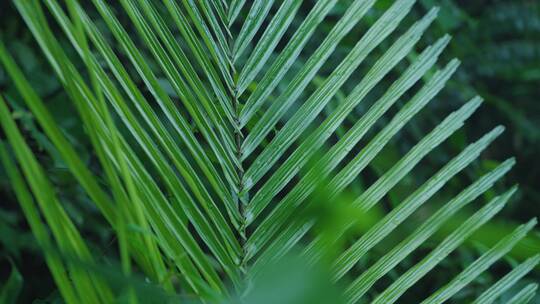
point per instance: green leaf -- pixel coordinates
(12, 287)
(256, 16)
(481, 264)
(309, 109)
(235, 7)
(386, 263)
(285, 60)
(411, 203)
(39, 230)
(268, 42)
(525, 295)
(78, 168)
(279, 215)
(405, 281)
(210, 166)
(307, 149)
(497, 289)
(65, 233)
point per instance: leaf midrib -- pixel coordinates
(242, 200)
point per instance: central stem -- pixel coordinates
(242, 199)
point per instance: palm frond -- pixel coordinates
(211, 143)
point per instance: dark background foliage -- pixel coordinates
(499, 45)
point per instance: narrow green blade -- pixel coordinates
(316, 102)
(386, 263)
(497, 289)
(268, 42)
(322, 169)
(257, 14)
(312, 144)
(481, 264)
(287, 57)
(525, 295)
(449, 244)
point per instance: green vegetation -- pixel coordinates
(264, 151)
